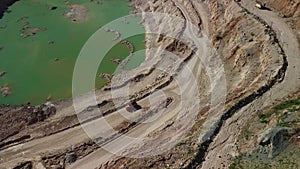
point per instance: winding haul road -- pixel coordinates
(224, 143)
(32, 150)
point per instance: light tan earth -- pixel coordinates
(250, 58)
(225, 143)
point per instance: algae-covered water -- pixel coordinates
(41, 65)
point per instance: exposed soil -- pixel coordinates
(259, 52)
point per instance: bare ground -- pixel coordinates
(260, 53)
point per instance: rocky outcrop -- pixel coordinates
(5, 90)
(106, 76)
(76, 13)
(2, 73)
(16, 118)
(27, 30)
(117, 61)
(117, 34)
(71, 157)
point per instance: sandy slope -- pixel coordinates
(181, 89)
(224, 144)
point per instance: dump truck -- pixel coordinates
(132, 107)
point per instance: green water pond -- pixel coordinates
(41, 65)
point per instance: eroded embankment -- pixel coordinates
(241, 53)
(155, 80)
(203, 147)
(200, 156)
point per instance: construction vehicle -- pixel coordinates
(261, 6)
(132, 107)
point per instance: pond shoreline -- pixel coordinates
(66, 56)
(14, 110)
(4, 4)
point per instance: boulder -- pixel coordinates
(71, 157)
(5, 90)
(52, 8)
(2, 73)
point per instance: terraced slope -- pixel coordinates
(252, 55)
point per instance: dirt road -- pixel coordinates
(182, 90)
(224, 144)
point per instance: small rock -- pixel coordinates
(49, 97)
(50, 42)
(5, 90)
(71, 157)
(52, 8)
(3, 27)
(2, 73)
(56, 59)
(117, 61)
(106, 76)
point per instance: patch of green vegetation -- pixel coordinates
(294, 108)
(246, 133)
(290, 105)
(181, 143)
(264, 121)
(191, 152)
(232, 166)
(286, 104)
(287, 124)
(286, 161)
(286, 114)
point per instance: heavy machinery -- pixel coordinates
(132, 106)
